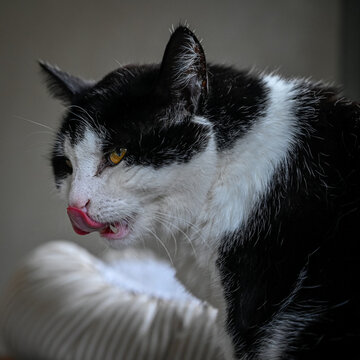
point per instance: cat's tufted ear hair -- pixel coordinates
(183, 69)
(62, 85)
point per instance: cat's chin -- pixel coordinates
(117, 231)
(118, 243)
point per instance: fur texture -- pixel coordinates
(251, 181)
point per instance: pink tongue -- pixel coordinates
(81, 222)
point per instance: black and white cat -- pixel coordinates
(255, 178)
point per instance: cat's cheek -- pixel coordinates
(63, 188)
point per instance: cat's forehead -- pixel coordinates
(121, 104)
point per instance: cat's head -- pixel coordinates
(134, 156)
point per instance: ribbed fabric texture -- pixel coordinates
(60, 306)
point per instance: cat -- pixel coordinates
(253, 177)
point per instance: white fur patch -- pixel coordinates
(85, 158)
(245, 171)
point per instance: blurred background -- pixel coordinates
(318, 39)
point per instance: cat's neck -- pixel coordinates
(244, 170)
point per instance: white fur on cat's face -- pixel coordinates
(150, 198)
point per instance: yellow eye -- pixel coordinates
(116, 156)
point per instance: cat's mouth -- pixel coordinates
(83, 225)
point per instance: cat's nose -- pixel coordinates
(81, 204)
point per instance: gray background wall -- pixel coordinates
(89, 38)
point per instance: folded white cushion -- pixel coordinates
(65, 304)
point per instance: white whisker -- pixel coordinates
(186, 236)
(34, 123)
(197, 231)
(163, 245)
(171, 233)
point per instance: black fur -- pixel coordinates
(62, 85)
(236, 99)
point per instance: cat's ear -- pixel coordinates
(62, 85)
(183, 69)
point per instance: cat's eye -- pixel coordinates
(68, 165)
(116, 156)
